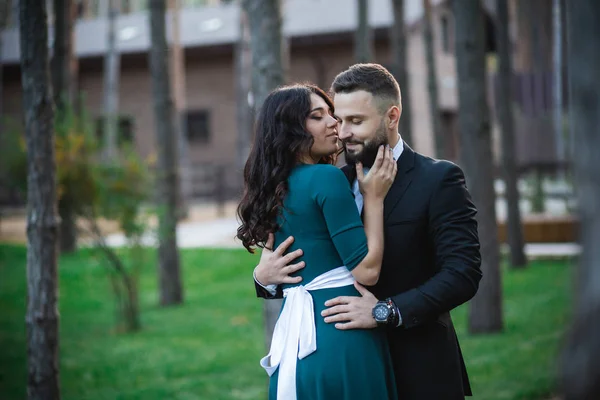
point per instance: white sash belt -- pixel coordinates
(294, 336)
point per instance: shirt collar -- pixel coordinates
(397, 150)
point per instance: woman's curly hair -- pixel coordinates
(280, 139)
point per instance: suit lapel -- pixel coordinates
(350, 173)
(403, 179)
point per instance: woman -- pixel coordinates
(293, 188)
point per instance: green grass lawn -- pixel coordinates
(209, 347)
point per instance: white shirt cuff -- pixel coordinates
(272, 289)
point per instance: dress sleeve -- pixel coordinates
(333, 195)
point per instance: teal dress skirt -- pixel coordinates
(320, 212)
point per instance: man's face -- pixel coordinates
(361, 128)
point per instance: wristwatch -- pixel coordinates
(384, 312)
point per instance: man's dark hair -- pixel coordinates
(372, 78)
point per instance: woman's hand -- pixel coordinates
(380, 177)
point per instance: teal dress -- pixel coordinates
(320, 212)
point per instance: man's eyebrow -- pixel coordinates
(352, 116)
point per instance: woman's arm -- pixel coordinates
(374, 187)
(360, 249)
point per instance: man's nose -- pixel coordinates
(344, 132)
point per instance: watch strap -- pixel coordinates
(394, 315)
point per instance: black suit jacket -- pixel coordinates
(431, 264)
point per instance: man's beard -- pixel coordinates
(367, 155)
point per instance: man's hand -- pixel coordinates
(273, 268)
(380, 177)
(351, 312)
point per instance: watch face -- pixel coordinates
(381, 312)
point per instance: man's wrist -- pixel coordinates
(261, 281)
(395, 319)
(271, 288)
(386, 313)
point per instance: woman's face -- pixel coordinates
(323, 127)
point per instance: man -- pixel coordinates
(431, 261)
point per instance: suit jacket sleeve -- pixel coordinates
(453, 229)
(264, 293)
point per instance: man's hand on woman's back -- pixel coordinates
(275, 266)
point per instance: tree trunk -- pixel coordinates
(63, 83)
(264, 21)
(557, 87)
(4, 18)
(363, 36)
(400, 68)
(5, 12)
(267, 43)
(539, 63)
(509, 149)
(581, 358)
(14, 13)
(68, 227)
(63, 90)
(177, 68)
(42, 223)
(171, 290)
(432, 84)
(111, 86)
(243, 85)
(474, 123)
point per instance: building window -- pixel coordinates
(198, 126)
(124, 132)
(446, 33)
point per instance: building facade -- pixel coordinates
(320, 34)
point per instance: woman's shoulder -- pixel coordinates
(322, 172)
(326, 178)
